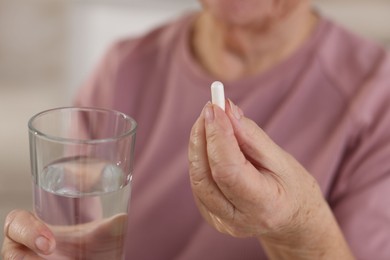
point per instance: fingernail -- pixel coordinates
(237, 113)
(209, 113)
(43, 244)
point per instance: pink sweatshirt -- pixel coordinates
(328, 105)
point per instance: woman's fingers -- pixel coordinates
(12, 250)
(238, 173)
(108, 228)
(206, 192)
(237, 177)
(258, 148)
(23, 229)
(223, 180)
(197, 155)
(99, 239)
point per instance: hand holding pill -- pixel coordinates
(245, 185)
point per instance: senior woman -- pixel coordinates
(298, 169)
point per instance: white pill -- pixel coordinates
(218, 94)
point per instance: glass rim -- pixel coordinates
(36, 132)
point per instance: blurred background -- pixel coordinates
(48, 48)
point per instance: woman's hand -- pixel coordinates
(245, 185)
(26, 237)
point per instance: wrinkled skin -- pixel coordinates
(100, 239)
(243, 183)
(247, 186)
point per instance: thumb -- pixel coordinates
(255, 144)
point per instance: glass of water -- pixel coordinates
(82, 163)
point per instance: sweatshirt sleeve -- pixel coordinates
(361, 195)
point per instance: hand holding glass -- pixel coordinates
(82, 163)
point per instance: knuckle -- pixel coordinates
(197, 182)
(194, 157)
(198, 175)
(197, 163)
(10, 218)
(196, 141)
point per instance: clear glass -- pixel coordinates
(82, 162)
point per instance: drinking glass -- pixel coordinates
(82, 163)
